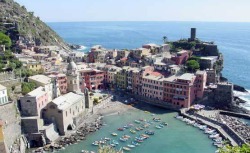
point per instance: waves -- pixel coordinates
(82, 48)
(244, 96)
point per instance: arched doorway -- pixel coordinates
(69, 127)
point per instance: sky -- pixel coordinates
(139, 10)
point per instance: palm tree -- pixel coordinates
(165, 39)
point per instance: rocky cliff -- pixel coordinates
(17, 22)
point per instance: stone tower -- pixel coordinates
(72, 77)
(193, 34)
(88, 102)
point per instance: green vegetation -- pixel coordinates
(108, 149)
(27, 87)
(5, 40)
(96, 101)
(17, 21)
(192, 65)
(245, 148)
(8, 62)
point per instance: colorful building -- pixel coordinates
(61, 80)
(92, 79)
(181, 57)
(34, 66)
(32, 103)
(3, 95)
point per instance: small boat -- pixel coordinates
(131, 146)
(107, 139)
(158, 127)
(120, 129)
(130, 125)
(132, 131)
(114, 134)
(149, 132)
(115, 142)
(96, 143)
(164, 123)
(102, 142)
(125, 126)
(143, 120)
(138, 122)
(144, 135)
(112, 145)
(126, 136)
(123, 139)
(135, 143)
(156, 119)
(137, 129)
(146, 112)
(214, 136)
(126, 148)
(161, 125)
(140, 138)
(137, 140)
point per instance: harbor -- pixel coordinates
(130, 128)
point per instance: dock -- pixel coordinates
(224, 130)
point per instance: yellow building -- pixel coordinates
(3, 147)
(121, 78)
(34, 66)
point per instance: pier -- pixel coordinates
(223, 129)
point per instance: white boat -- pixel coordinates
(202, 127)
(209, 131)
(131, 146)
(214, 136)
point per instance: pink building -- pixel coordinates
(92, 79)
(32, 103)
(152, 85)
(183, 90)
(181, 57)
(61, 80)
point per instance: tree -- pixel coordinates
(27, 87)
(95, 101)
(245, 148)
(192, 65)
(5, 40)
(165, 39)
(12, 66)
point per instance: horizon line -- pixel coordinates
(148, 21)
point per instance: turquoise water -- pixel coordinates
(177, 137)
(232, 39)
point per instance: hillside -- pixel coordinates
(17, 22)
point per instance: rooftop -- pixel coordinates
(41, 78)
(186, 76)
(65, 101)
(37, 92)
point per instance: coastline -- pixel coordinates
(91, 123)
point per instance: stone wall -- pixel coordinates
(222, 96)
(12, 128)
(7, 76)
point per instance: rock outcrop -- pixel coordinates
(17, 22)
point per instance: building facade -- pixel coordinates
(3, 95)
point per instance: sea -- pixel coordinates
(232, 40)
